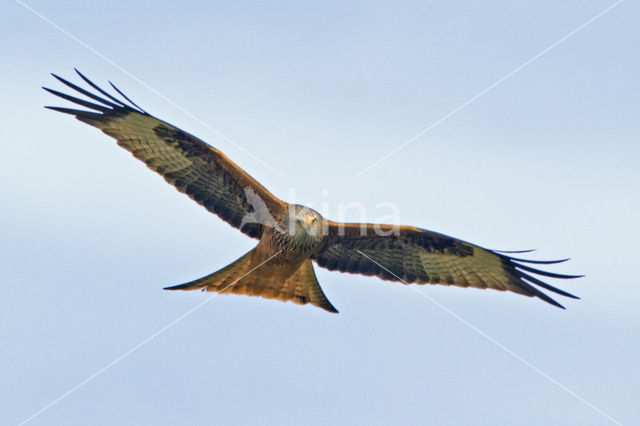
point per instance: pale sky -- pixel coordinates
(547, 159)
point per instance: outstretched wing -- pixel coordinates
(202, 172)
(414, 255)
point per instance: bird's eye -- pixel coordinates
(315, 219)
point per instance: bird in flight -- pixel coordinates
(291, 237)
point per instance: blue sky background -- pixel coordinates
(319, 91)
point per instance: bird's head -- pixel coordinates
(304, 223)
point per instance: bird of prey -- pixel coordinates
(291, 237)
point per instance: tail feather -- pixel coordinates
(272, 280)
(303, 287)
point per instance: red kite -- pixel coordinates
(291, 237)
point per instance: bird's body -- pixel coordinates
(292, 236)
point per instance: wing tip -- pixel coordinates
(175, 287)
(111, 101)
(545, 297)
(545, 273)
(539, 262)
(525, 280)
(330, 308)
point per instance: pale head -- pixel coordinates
(304, 223)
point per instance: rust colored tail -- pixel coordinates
(271, 280)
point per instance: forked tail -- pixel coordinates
(272, 280)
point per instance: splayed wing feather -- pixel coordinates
(515, 251)
(539, 262)
(126, 97)
(79, 101)
(86, 92)
(99, 89)
(545, 273)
